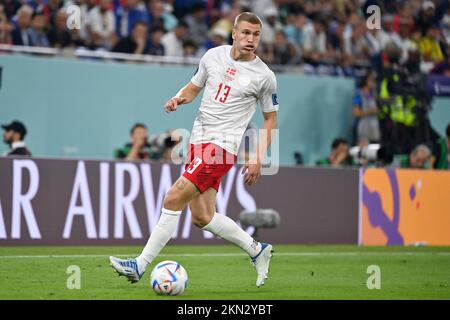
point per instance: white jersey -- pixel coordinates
(232, 90)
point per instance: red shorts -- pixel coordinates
(207, 163)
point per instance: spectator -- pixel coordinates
(84, 6)
(155, 14)
(315, 45)
(14, 135)
(441, 152)
(10, 7)
(173, 40)
(294, 30)
(339, 155)
(270, 25)
(38, 37)
(430, 47)
(156, 48)
(227, 21)
(196, 21)
(426, 17)
(189, 48)
(139, 148)
(280, 52)
(135, 43)
(51, 11)
(102, 23)
(160, 14)
(21, 34)
(403, 17)
(418, 158)
(60, 36)
(128, 15)
(5, 27)
(356, 46)
(365, 111)
(406, 44)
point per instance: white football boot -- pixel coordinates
(261, 262)
(126, 267)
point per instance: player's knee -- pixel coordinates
(172, 201)
(200, 220)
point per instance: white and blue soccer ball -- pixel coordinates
(169, 278)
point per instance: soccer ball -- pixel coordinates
(169, 278)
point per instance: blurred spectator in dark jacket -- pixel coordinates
(155, 46)
(426, 16)
(14, 135)
(38, 36)
(60, 36)
(136, 43)
(10, 7)
(21, 34)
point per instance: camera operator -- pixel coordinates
(139, 148)
(338, 156)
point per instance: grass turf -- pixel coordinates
(224, 272)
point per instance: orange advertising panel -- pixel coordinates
(404, 207)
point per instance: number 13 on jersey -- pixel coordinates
(222, 94)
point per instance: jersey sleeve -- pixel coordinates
(200, 75)
(268, 99)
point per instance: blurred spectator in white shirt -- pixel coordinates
(173, 40)
(101, 23)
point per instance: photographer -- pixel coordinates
(339, 155)
(139, 148)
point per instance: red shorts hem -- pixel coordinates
(207, 166)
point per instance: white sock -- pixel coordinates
(162, 233)
(227, 229)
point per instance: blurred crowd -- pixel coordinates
(389, 55)
(323, 36)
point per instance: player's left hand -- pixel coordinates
(253, 172)
(173, 103)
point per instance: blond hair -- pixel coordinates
(248, 17)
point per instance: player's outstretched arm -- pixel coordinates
(186, 95)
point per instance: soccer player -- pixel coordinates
(235, 79)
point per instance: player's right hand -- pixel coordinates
(173, 103)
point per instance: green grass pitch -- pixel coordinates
(224, 272)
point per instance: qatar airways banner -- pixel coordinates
(89, 202)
